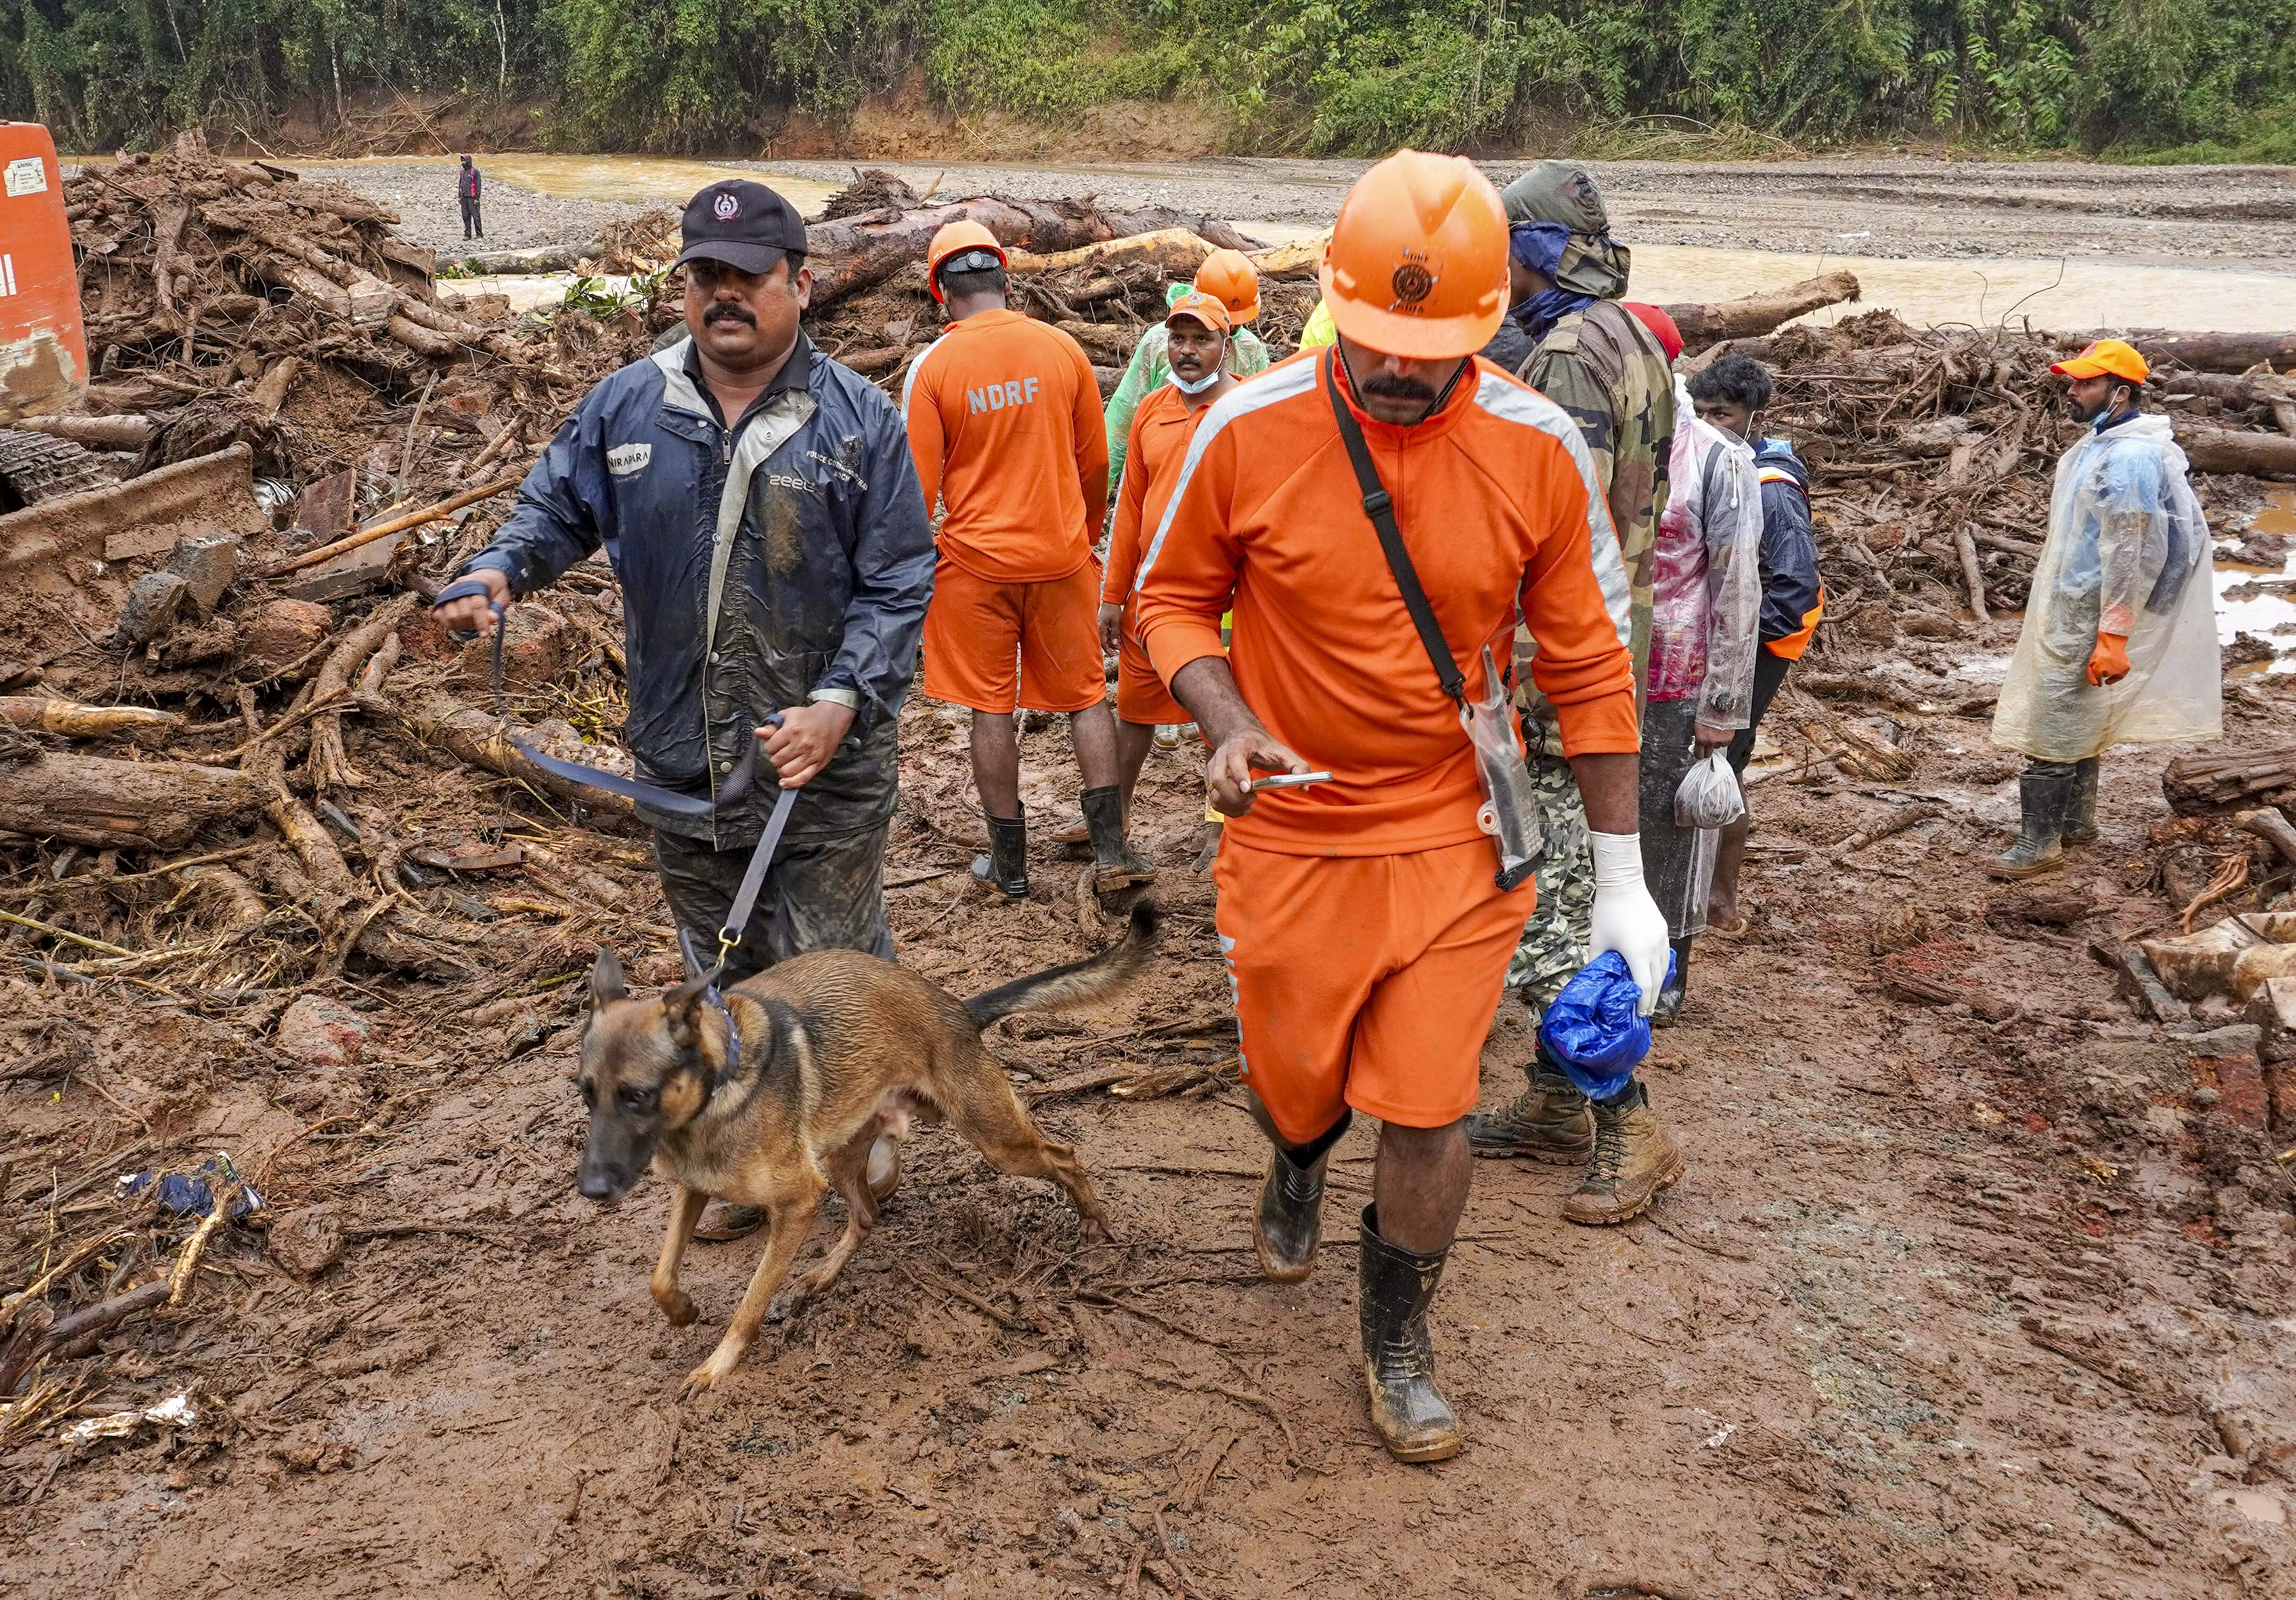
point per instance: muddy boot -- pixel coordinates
(1006, 864)
(2044, 790)
(1634, 1160)
(1670, 992)
(1414, 1421)
(1548, 1122)
(1290, 1217)
(724, 1222)
(2081, 817)
(1117, 864)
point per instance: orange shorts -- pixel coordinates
(1367, 981)
(998, 647)
(1141, 695)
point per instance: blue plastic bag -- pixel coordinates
(193, 1194)
(1592, 1031)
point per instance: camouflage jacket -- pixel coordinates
(1607, 371)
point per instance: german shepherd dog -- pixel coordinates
(776, 1094)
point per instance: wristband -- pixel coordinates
(1618, 859)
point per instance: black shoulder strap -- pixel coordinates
(1380, 507)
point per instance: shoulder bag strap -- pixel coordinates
(1380, 507)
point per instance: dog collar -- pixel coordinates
(733, 1033)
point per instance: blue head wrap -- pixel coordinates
(1538, 247)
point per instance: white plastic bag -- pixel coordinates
(1709, 796)
(1709, 799)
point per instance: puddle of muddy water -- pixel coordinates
(2273, 607)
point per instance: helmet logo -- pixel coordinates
(1413, 282)
(728, 206)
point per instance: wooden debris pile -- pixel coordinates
(1932, 453)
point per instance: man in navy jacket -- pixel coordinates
(761, 511)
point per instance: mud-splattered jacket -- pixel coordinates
(787, 558)
(1608, 374)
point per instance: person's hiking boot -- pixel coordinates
(1413, 1420)
(1671, 993)
(1548, 1121)
(1634, 1160)
(1116, 865)
(2080, 815)
(1006, 864)
(2045, 794)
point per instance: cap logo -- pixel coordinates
(1413, 282)
(728, 206)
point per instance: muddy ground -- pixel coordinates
(1945, 1306)
(1867, 206)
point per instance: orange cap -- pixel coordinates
(952, 238)
(1206, 308)
(1229, 276)
(1417, 267)
(2105, 355)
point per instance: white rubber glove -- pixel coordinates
(1626, 919)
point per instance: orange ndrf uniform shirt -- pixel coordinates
(1161, 431)
(1499, 507)
(1366, 937)
(1005, 424)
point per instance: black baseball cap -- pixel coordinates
(744, 225)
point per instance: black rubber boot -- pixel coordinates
(2080, 817)
(1549, 1121)
(2046, 791)
(1677, 984)
(1414, 1421)
(1006, 864)
(1290, 1217)
(1116, 864)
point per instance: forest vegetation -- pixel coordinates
(2180, 79)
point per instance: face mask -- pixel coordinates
(1197, 387)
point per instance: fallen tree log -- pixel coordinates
(130, 432)
(1176, 252)
(851, 254)
(94, 801)
(2217, 352)
(2232, 450)
(480, 739)
(1703, 324)
(2194, 784)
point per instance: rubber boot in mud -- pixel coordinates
(1549, 1121)
(1413, 1420)
(1006, 864)
(1634, 1161)
(2045, 791)
(1116, 864)
(1669, 1004)
(1288, 1220)
(2080, 815)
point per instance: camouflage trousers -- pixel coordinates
(1554, 945)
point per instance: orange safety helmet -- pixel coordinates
(953, 239)
(1229, 278)
(1417, 267)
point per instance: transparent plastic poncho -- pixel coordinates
(1706, 602)
(2127, 553)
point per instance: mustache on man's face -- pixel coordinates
(728, 311)
(1395, 386)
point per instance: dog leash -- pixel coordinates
(737, 784)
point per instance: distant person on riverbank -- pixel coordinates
(2118, 643)
(466, 190)
(1228, 277)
